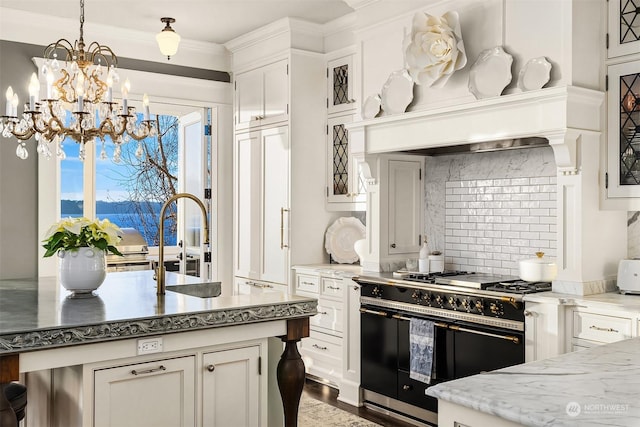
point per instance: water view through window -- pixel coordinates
(131, 189)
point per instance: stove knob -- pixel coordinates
(480, 306)
(376, 291)
(453, 302)
(466, 304)
(496, 309)
(439, 300)
(427, 298)
(416, 295)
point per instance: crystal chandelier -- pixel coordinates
(79, 102)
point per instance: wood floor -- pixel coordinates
(329, 395)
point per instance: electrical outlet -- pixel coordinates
(150, 345)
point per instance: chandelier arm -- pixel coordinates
(23, 136)
(99, 51)
(62, 44)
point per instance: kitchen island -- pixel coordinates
(592, 387)
(56, 340)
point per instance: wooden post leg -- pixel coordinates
(291, 371)
(8, 372)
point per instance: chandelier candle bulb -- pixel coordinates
(145, 103)
(14, 105)
(34, 88)
(9, 106)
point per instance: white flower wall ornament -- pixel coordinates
(434, 49)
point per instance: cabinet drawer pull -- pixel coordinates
(597, 328)
(335, 288)
(406, 387)
(308, 283)
(322, 312)
(282, 211)
(319, 347)
(261, 285)
(211, 368)
(149, 371)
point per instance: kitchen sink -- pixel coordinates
(201, 290)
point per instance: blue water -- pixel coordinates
(133, 221)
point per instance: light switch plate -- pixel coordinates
(150, 345)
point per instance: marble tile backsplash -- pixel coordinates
(490, 224)
(500, 226)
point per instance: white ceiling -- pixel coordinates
(213, 21)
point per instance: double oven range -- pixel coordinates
(478, 326)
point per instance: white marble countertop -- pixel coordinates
(593, 387)
(609, 300)
(40, 313)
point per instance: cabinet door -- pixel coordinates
(623, 151)
(276, 92)
(340, 75)
(624, 31)
(339, 169)
(405, 206)
(274, 266)
(230, 388)
(153, 394)
(247, 205)
(248, 98)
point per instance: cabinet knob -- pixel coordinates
(529, 313)
(393, 245)
(406, 387)
(211, 368)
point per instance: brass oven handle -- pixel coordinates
(377, 313)
(511, 338)
(282, 211)
(510, 300)
(149, 371)
(597, 328)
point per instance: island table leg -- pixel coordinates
(291, 373)
(9, 371)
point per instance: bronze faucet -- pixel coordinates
(160, 270)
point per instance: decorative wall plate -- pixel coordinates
(371, 107)
(397, 92)
(535, 74)
(491, 73)
(340, 238)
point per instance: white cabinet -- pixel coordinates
(262, 204)
(624, 34)
(154, 394)
(405, 195)
(544, 329)
(322, 351)
(346, 190)
(591, 325)
(230, 387)
(280, 214)
(262, 96)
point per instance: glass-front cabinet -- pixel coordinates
(346, 189)
(340, 90)
(624, 130)
(624, 27)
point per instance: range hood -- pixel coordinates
(558, 115)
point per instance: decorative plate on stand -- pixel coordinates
(341, 237)
(371, 107)
(397, 92)
(491, 73)
(535, 74)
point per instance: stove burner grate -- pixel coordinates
(520, 287)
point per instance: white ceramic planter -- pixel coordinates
(82, 271)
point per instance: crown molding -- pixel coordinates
(39, 29)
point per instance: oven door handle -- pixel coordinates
(511, 338)
(377, 313)
(438, 324)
